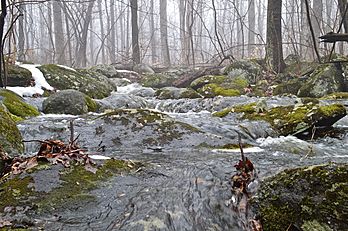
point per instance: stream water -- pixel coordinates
(183, 188)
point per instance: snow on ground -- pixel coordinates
(40, 82)
(68, 68)
(26, 91)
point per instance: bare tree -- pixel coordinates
(135, 31)
(58, 33)
(274, 46)
(164, 32)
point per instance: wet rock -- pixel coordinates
(48, 190)
(108, 71)
(290, 120)
(326, 79)
(249, 69)
(311, 198)
(176, 93)
(63, 78)
(117, 101)
(69, 102)
(157, 80)
(10, 137)
(143, 69)
(16, 105)
(147, 128)
(214, 85)
(17, 76)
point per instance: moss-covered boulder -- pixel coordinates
(48, 189)
(336, 95)
(177, 93)
(69, 102)
(326, 79)
(290, 87)
(104, 80)
(108, 71)
(249, 69)
(63, 78)
(143, 68)
(16, 105)
(157, 80)
(214, 85)
(290, 120)
(310, 198)
(17, 76)
(10, 137)
(300, 69)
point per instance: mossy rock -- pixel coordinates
(108, 71)
(251, 69)
(63, 78)
(290, 87)
(17, 106)
(69, 102)
(336, 95)
(176, 93)
(300, 69)
(157, 80)
(214, 85)
(17, 76)
(326, 79)
(311, 198)
(10, 137)
(52, 188)
(290, 120)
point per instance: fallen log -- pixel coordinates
(188, 78)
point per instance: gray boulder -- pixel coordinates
(326, 79)
(69, 102)
(142, 68)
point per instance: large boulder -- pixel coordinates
(69, 102)
(143, 69)
(62, 78)
(16, 105)
(10, 137)
(157, 80)
(249, 69)
(309, 198)
(289, 120)
(214, 85)
(108, 71)
(326, 79)
(117, 101)
(17, 76)
(177, 93)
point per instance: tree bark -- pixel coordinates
(58, 34)
(274, 46)
(164, 33)
(251, 31)
(135, 31)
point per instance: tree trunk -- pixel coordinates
(342, 4)
(274, 46)
(182, 13)
(164, 33)
(2, 25)
(153, 33)
(21, 35)
(135, 31)
(58, 34)
(251, 32)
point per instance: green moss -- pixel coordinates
(74, 189)
(308, 197)
(15, 191)
(236, 146)
(16, 105)
(17, 76)
(10, 137)
(336, 95)
(289, 119)
(91, 104)
(157, 80)
(212, 90)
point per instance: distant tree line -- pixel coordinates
(165, 32)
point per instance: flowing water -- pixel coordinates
(184, 188)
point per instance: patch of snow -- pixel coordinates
(26, 91)
(66, 67)
(99, 157)
(126, 71)
(40, 81)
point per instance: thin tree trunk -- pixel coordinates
(164, 33)
(58, 33)
(135, 31)
(251, 32)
